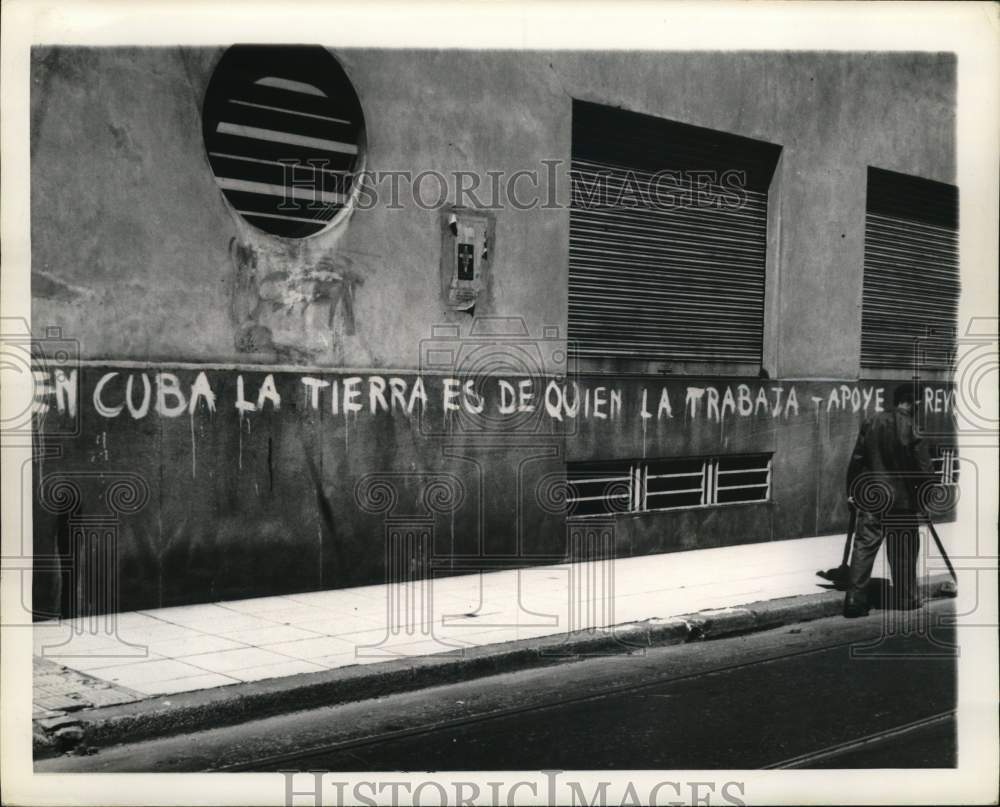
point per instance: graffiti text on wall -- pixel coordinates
(138, 395)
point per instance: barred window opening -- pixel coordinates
(946, 467)
(637, 486)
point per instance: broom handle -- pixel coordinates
(940, 547)
(851, 526)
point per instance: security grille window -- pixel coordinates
(911, 283)
(601, 488)
(667, 484)
(668, 232)
(946, 467)
(284, 132)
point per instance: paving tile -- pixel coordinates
(47, 633)
(76, 643)
(291, 667)
(164, 632)
(429, 647)
(60, 703)
(312, 648)
(110, 622)
(41, 713)
(376, 592)
(190, 615)
(255, 637)
(189, 646)
(98, 661)
(350, 659)
(228, 660)
(377, 642)
(339, 600)
(137, 619)
(295, 615)
(230, 623)
(188, 684)
(339, 626)
(379, 635)
(259, 605)
(485, 637)
(110, 696)
(142, 673)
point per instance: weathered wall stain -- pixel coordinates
(261, 292)
(52, 288)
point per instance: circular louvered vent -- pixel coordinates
(284, 132)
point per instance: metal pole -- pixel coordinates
(849, 543)
(940, 547)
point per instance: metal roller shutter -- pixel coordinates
(911, 282)
(668, 232)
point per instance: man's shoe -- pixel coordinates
(853, 608)
(911, 604)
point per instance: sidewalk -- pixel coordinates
(457, 626)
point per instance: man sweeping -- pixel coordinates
(889, 465)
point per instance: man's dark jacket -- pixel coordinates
(889, 453)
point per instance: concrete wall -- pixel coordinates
(130, 234)
(132, 257)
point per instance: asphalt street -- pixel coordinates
(832, 693)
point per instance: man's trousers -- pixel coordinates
(902, 535)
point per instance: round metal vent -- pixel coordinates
(284, 132)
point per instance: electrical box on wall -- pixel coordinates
(466, 246)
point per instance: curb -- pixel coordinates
(85, 731)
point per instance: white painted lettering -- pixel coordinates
(792, 402)
(376, 394)
(664, 406)
(200, 390)
(397, 393)
(472, 400)
(745, 401)
(553, 406)
(693, 400)
(643, 412)
(99, 406)
(776, 407)
(728, 402)
(418, 393)
(66, 392)
(169, 386)
(616, 403)
(524, 396)
(450, 388)
(599, 403)
(713, 404)
(242, 404)
(142, 410)
(351, 394)
(507, 402)
(314, 385)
